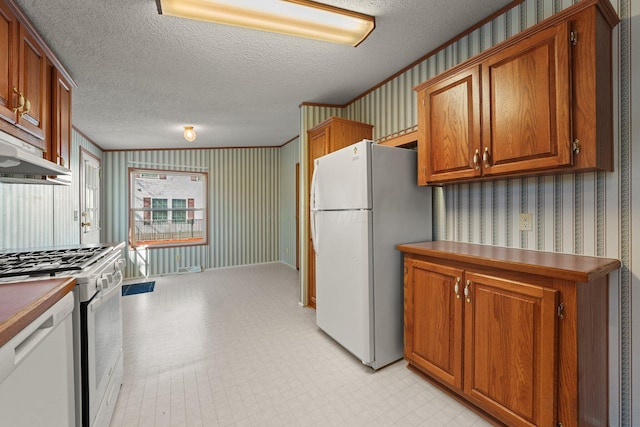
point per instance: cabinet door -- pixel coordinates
(526, 98)
(318, 144)
(449, 128)
(8, 63)
(433, 320)
(61, 139)
(510, 349)
(33, 83)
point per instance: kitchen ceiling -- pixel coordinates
(142, 76)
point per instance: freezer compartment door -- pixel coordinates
(344, 280)
(342, 179)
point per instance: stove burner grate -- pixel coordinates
(48, 262)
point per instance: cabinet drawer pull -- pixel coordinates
(466, 291)
(485, 157)
(456, 287)
(476, 160)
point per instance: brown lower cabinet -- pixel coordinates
(520, 334)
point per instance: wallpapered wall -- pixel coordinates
(579, 214)
(33, 216)
(589, 214)
(243, 203)
(289, 157)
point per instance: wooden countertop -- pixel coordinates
(22, 302)
(576, 268)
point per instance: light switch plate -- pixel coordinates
(526, 222)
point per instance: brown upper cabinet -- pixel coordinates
(8, 62)
(32, 91)
(60, 147)
(35, 91)
(324, 138)
(526, 106)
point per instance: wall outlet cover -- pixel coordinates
(526, 222)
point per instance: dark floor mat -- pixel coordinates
(138, 288)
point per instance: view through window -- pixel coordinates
(168, 208)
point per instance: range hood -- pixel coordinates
(23, 163)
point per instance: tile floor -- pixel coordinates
(232, 347)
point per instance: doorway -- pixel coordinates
(90, 185)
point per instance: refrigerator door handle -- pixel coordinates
(312, 210)
(314, 236)
(314, 189)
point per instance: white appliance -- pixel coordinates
(23, 163)
(364, 201)
(36, 371)
(96, 318)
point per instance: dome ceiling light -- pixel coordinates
(189, 133)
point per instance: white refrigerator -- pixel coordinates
(364, 201)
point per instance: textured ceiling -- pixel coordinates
(142, 76)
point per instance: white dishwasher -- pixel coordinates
(36, 371)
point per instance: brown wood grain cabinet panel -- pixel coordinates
(535, 338)
(32, 80)
(8, 63)
(592, 87)
(60, 145)
(26, 67)
(545, 102)
(510, 349)
(526, 103)
(318, 147)
(324, 138)
(449, 136)
(433, 320)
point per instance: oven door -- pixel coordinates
(101, 352)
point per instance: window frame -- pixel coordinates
(190, 211)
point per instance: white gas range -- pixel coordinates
(97, 317)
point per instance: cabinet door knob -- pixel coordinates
(476, 160)
(485, 157)
(466, 291)
(456, 288)
(85, 224)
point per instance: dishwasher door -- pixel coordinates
(36, 371)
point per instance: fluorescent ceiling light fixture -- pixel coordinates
(302, 18)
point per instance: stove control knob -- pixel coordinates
(109, 277)
(102, 284)
(120, 264)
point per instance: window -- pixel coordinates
(167, 208)
(159, 210)
(179, 216)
